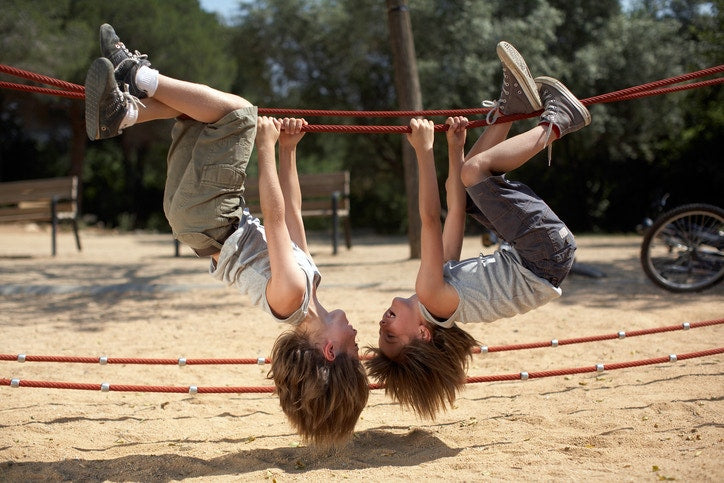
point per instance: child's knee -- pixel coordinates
(473, 172)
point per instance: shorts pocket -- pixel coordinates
(224, 177)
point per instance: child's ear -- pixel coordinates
(423, 333)
(328, 351)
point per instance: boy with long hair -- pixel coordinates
(423, 354)
(321, 384)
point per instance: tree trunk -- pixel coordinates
(407, 85)
(78, 144)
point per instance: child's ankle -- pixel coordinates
(147, 80)
(130, 118)
(555, 128)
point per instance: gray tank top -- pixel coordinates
(493, 287)
(244, 263)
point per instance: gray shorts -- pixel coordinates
(203, 197)
(511, 209)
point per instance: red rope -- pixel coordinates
(129, 360)
(654, 85)
(665, 90)
(133, 388)
(43, 90)
(597, 368)
(644, 90)
(477, 350)
(270, 389)
(598, 338)
(42, 79)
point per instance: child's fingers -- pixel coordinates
(456, 123)
(293, 125)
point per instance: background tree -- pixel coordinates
(335, 54)
(122, 177)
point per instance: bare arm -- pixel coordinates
(433, 292)
(290, 135)
(454, 231)
(285, 290)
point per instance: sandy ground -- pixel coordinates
(125, 295)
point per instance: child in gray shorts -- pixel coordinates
(321, 384)
(423, 355)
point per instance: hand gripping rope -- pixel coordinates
(524, 375)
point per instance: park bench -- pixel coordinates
(41, 200)
(323, 195)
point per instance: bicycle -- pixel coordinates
(683, 250)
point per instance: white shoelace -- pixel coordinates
(133, 107)
(549, 132)
(496, 106)
(134, 56)
(494, 110)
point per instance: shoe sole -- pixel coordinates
(108, 39)
(512, 59)
(556, 84)
(98, 83)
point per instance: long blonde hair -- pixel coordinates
(322, 399)
(425, 376)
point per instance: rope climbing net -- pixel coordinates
(523, 375)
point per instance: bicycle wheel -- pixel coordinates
(683, 251)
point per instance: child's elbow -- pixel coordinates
(425, 291)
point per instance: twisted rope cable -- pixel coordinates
(131, 360)
(42, 79)
(106, 387)
(66, 89)
(654, 85)
(595, 368)
(598, 338)
(664, 90)
(43, 90)
(262, 360)
(644, 90)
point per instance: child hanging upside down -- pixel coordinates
(321, 384)
(423, 354)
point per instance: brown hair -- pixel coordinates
(426, 376)
(322, 399)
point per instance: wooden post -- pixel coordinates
(407, 85)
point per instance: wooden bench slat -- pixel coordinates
(32, 200)
(16, 191)
(317, 189)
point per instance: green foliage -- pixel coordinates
(335, 54)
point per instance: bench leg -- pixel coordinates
(335, 222)
(75, 232)
(54, 222)
(347, 233)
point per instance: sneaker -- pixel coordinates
(125, 62)
(519, 94)
(562, 109)
(105, 104)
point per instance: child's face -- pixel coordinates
(400, 324)
(342, 333)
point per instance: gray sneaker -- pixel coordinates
(105, 104)
(519, 94)
(125, 62)
(562, 110)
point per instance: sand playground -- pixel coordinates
(126, 295)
